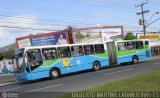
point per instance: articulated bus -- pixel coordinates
(56, 60)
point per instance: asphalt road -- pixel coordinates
(78, 81)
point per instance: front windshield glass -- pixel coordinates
(18, 62)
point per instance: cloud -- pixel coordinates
(95, 1)
(19, 21)
(2, 32)
(23, 21)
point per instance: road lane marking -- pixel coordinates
(119, 71)
(156, 63)
(9, 83)
(44, 88)
(154, 58)
(10, 89)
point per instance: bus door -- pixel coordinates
(112, 53)
(26, 63)
(148, 52)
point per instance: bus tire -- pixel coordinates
(54, 73)
(96, 66)
(135, 60)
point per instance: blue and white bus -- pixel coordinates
(55, 60)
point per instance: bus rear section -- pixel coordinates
(133, 51)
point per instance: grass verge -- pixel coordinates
(147, 82)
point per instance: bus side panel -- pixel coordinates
(69, 65)
(83, 63)
(23, 76)
(149, 53)
(141, 55)
(40, 74)
(128, 57)
(43, 70)
(123, 59)
(89, 60)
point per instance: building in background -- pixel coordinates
(153, 37)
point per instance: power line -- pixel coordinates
(60, 23)
(67, 12)
(15, 27)
(67, 22)
(117, 7)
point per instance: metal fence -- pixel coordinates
(155, 50)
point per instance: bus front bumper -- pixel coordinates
(20, 77)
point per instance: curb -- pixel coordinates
(156, 57)
(9, 83)
(6, 75)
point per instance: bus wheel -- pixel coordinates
(54, 73)
(135, 59)
(96, 66)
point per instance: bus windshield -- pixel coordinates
(18, 60)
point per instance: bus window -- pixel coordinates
(88, 49)
(35, 58)
(77, 50)
(122, 46)
(49, 53)
(146, 43)
(99, 48)
(130, 45)
(64, 52)
(139, 45)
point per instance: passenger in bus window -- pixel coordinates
(87, 50)
(53, 54)
(45, 55)
(76, 53)
(80, 51)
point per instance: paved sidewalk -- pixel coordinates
(7, 78)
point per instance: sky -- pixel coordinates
(20, 18)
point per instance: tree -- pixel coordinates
(7, 54)
(79, 35)
(10, 53)
(130, 36)
(30, 34)
(69, 29)
(1, 56)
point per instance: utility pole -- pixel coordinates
(143, 19)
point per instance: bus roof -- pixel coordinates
(133, 40)
(48, 46)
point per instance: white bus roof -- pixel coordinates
(133, 40)
(48, 46)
